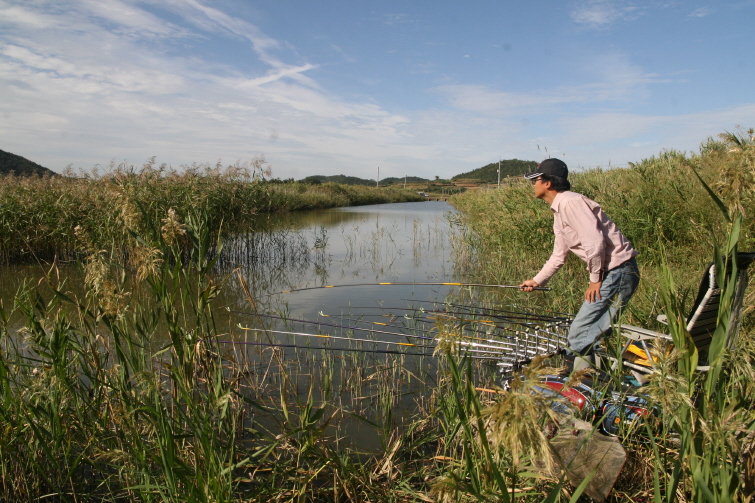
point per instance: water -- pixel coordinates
(350, 249)
(402, 242)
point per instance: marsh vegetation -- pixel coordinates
(158, 377)
(41, 216)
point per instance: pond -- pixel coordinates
(329, 263)
(361, 246)
(340, 308)
(316, 336)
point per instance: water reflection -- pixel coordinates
(406, 242)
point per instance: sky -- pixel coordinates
(419, 88)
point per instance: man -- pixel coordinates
(581, 226)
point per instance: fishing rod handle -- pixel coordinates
(534, 288)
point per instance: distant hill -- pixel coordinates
(354, 180)
(21, 166)
(399, 180)
(485, 174)
(489, 173)
(346, 180)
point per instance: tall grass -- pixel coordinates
(658, 203)
(680, 211)
(39, 216)
(94, 409)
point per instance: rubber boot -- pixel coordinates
(583, 362)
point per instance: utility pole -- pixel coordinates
(377, 182)
(404, 181)
(499, 172)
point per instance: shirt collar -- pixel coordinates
(557, 202)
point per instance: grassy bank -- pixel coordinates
(39, 217)
(701, 447)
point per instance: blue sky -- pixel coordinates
(327, 87)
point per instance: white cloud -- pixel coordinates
(702, 12)
(602, 13)
(128, 101)
(289, 71)
(20, 16)
(615, 86)
(483, 100)
(396, 19)
(628, 137)
(132, 20)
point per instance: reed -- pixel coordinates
(39, 216)
(658, 203)
(700, 446)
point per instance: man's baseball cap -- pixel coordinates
(553, 167)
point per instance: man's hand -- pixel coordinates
(529, 285)
(593, 292)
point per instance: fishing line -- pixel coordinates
(354, 328)
(491, 349)
(360, 350)
(538, 288)
(326, 336)
(428, 319)
(521, 310)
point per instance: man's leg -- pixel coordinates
(595, 318)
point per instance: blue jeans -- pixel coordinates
(594, 319)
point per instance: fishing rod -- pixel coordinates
(504, 318)
(272, 316)
(360, 350)
(474, 345)
(379, 323)
(489, 324)
(520, 310)
(538, 288)
(508, 315)
(498, 344)
(528, 325)
(427, 319)
(325, 348)
(554, 322)
(523, 336)
(325, 336)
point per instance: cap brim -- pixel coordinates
(530, 176)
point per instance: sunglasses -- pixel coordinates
(535, 180)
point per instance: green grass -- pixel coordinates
(658, 203)
(681, 212)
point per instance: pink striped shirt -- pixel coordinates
(581, 226)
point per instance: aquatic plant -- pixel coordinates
(38, 216)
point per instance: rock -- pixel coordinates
(582, 452)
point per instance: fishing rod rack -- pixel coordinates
(522, 333)
(507, 336)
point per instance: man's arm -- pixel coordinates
(554, 263)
